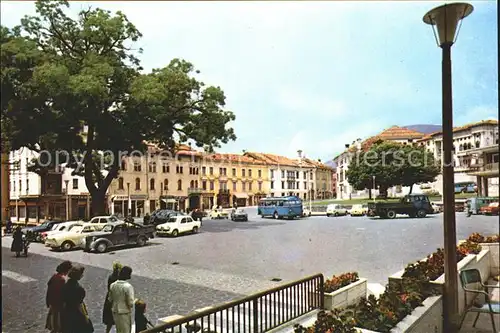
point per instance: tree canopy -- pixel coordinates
(392, 164)
(76, 84)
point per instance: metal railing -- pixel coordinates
(256, 313)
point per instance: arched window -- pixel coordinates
(191, 184)
(152, 184)
(165, 184)
(120, 183)
(137, 184)
(179, 185)
(196, 184)
(124, 165)
(461, 147)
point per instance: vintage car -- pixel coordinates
(491, 209)
(178, 225)
(239, 215)
(358, 210)
(71, 239)
(161, 216)
(436, 208)
(34, 234)
(101, 221)
(118, 234)
(218, 213)
(335, 210)
(58, 228)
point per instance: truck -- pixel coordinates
(414, 205)
(118, 234)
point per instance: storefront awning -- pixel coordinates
(241, 195)
(169, 200)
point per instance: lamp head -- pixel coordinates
(446, 18)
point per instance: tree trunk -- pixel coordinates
(411, 189)
(370, 193)
(98, 204)
(383, 191)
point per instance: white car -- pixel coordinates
(335, 210)
(58, 228)
(176, 225)
(218, 213)
(101, 221)
(306, 212)
(436, 208)
(66, 241)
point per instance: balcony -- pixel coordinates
(224, 191)
(485, 170)
(196, 190)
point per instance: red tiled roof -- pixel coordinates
(273, 159)
(461, 128)
(396, 132)
(232, 158)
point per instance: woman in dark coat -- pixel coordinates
(75, 317)
(54, 298)
(17, 242)
(107, 314)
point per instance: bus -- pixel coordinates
(465, 187)
(474, 204)
(280, 207)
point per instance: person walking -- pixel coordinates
(141, 322)
(54, 300)
(17, 245)
(146, 219)
(107, 313)
(75, 318)
(121, 296)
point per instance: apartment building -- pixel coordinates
(323, 179)
(233, 180)
(57, 194)
(475, 155)
(288, 176)
(156, 179)
(344, 190)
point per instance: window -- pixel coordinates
(260, 186)
(243, 172)
(196, 184)
(297, 174)
(272, 173)
(137, 184)
(137, 166)
(234, 172)
(211, 170)
(191, 184)
(204, 184)
(152, 167)
(244, 186)
(165, 168)
(124, 165)
(179, 169)
(234, 186)
(28, 185)
(283, 185)
(249, 172)
(259, 173)
(212, 185)
(250, 186)
(193, 170)
(272, 185)
(75, 183)
(179, 185)
(165, 184)
(152, 184)
(282, 173)
(120, 183)
(203, 171)
(305, 185)
(20, 185)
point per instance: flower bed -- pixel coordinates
(491, 243)
(343, 290)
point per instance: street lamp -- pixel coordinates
(373, 188)
(129, 202)
(446, 19)
(67, 200)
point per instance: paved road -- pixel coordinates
(229, 259)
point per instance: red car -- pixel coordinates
(491, 209)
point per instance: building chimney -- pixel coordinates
(300, 153)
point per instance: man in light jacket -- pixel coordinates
(121, 296)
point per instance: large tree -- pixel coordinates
(392, 164)
(88, 95)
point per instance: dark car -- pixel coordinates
(118, 234)
(161, 216)
(34, 234)
(197, 214)
(239, 215)
(414, 205)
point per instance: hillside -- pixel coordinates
(424, 128)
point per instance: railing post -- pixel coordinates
(321, 292)
(255, 316)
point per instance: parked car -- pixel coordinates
(163, 215)
(71, 239)
(239, 215)
(414, 205)
(218, 213)
(306, 212)
(491, 209)
(34, 234)
(335, 210)
(101, 221)
(436, 209)
(178, 225)
(118, 234)
(58, 228)
(358, 210)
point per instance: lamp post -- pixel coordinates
(373, 188)
(129, 202)
(446, 19)
(67, 200)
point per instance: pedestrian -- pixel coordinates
(8, 226)
(146, 219)
(17, 245)
(141, 322)
(107, 313)
(121, 296)
(75, 318)
(54, 300)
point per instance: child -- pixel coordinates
(141, 322)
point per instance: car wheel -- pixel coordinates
(391, 214)
(141, 241)
(102, 247)
(67, 245)
(336, 214)
(327, 215)
(38, 238)
(421, 213)
(309, 214)
(175, 233)
(195, 230)
(275, 215)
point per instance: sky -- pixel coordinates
(316, 75)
